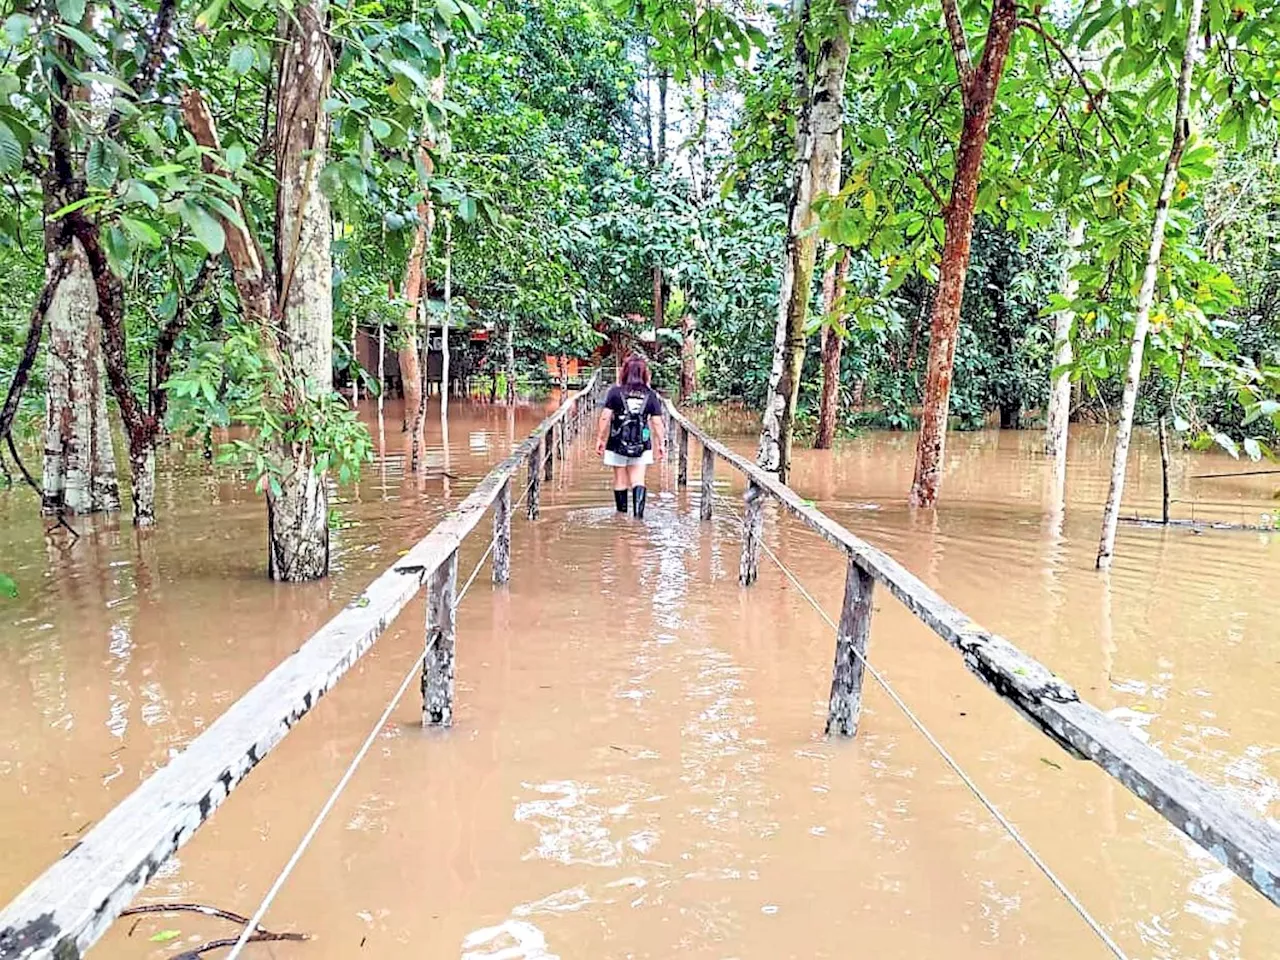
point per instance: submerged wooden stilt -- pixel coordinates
(682, 468)
(752, 531)
(851, 646)
(535, 479)
(438, 660)
(708, 481)
(502, 535)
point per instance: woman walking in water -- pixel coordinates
(630, 433)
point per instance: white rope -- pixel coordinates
(956, 768)
(414, 670)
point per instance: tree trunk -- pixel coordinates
(1164, 471)
(511, 362)
(444, 323)
(414, 280)
(79, 458)
(1059, 412)
(979, 88)
(688, 360)
(832, 348)
(298, 519)
(1146, 295)
(816, 171)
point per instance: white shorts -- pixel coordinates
(612, 459)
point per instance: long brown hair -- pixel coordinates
(635, 371)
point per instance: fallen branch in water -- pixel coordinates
(1199, 524)
(185, 908)
(262, 936)
(1227, 476)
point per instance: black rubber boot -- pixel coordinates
(620, 499)
(639, 495)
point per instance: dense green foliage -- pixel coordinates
(575, 147)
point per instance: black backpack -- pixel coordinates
(631, 429)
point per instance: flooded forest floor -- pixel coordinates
(637, 767)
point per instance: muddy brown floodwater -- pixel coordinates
(636, 768)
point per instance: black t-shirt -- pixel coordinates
(635, 400)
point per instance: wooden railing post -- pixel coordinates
(851, 646)
(549, 452)
(535, 479)
(708, 480)
(682, 469)
(438, 660)
(502, 535)
(560, 441)
(752, 531)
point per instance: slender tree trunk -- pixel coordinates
(832, 348)
(79, 461)
(1147, 293)
(662, 117)
(1164, 471)
(510, 362)
(382, 350)
(444, 323)
(355, 364)
(297, 512)
(414, 280)
(688, 360)
(1059, 413)
(816, 171)
(979, 86)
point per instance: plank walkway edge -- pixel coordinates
(1248, 845)
(68, 907)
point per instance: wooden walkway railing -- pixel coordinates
(71, 904)
(1248, 845)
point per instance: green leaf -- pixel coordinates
(80, 39)
(208, 17)
(17, 28)
(101, 165)
(8, 587)
(208, 231)
(467, 209)
(410, 72)
(144, 233)
(1252, 448)
(242, 59)
(107, 80)
(355, 179)
(139, 192)
(164, 936)
(474, 22)
(10, 150)
(236, 157)
(72, 11)
(380, 128)
(73, 207)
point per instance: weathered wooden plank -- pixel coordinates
(682, 468)
(65, 910)
(1248, 845)
(845, 705)
(708, 481)
(535, 481)
(502, 535)
(752, 532)
(439, 651)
